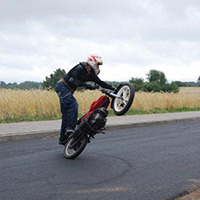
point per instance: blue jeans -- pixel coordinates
(69, 108)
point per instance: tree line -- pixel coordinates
(27, 85)
(156, 82)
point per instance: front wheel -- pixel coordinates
(122, 103)
(72, 151)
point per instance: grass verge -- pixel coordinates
(111, 113)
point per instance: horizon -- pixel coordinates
(104, 80)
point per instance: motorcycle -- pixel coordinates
(94, 121)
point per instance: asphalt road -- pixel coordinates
(155, 162)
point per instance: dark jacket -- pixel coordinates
(78, 76)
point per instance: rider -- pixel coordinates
(65, 87)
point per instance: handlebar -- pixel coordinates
(108, 92)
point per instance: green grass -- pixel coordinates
(111, 113)
(28, 118)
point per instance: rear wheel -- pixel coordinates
(71, 151)
(126, 94)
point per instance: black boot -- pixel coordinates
(63, 139)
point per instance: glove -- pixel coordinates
(113, 88)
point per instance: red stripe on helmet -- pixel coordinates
(90, 59)
(94, 58)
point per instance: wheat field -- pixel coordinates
(41, 103)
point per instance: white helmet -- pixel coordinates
(94, 61)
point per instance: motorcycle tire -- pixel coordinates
(121, 105)
(72, 153)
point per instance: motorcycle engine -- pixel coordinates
(98, 118)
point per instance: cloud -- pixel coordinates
(133, 36)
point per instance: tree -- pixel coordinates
(51, 81)
(137, 82)
(151, 87)
(173, 87)
(156, 76)
(3, 84)
(156, 82)
(179, 83)
(29, 85)
(198, 81)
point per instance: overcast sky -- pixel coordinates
(132, 36)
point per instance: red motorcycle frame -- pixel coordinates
(94, 120)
